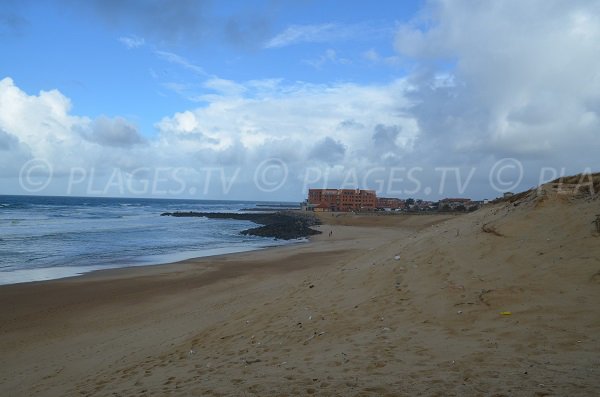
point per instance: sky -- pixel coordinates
(261, 100)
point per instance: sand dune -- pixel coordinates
(500, 302)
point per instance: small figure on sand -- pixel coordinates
(330, 233)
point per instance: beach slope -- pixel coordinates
(502, 301)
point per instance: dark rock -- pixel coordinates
(285, 225)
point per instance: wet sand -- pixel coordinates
(394, 305)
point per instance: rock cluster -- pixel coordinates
(285, 225)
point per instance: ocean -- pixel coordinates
(44, 238)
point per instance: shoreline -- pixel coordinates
(109, 318)
(284, 227)
(132, 271)
(281, 225)
(143, 265)
(384, 306)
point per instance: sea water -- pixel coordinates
(45, 238)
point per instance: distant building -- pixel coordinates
(459, 204)
(306, 206)
(453, 204)
(508, 194)
(390, 203)
(322, 207)
(342, 199)
(422, 205)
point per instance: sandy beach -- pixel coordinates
(499, 302)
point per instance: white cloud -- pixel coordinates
(225, 87)
(179, 88)
(299, 112)
(181, 61)
(303, 33)
(329, 56)
(242, 125)
(373, 56)
(41, 126)
(132, 41)
(116, 132)
(41, 123)
(510, 86)
(485, 84)
(325, 33)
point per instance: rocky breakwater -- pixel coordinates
(285, 225)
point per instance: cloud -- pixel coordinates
(384, 137)
(225, 87)
(373, 56)
(305, 34)
(12, 155)
(7, 141)
(328, 151)
(190, 23)
(196, 92)
(132, 41)
(248, 30)
(304, 125)
(181, 61)
(161, 20)
(116, 132)
(325, 33)
(42, 126)
(179, 88)
(484, 84)
(12, 23)
(262, 114)
(506, 87)
(330, 56)
(41, 123)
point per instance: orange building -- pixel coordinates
(342, 199)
